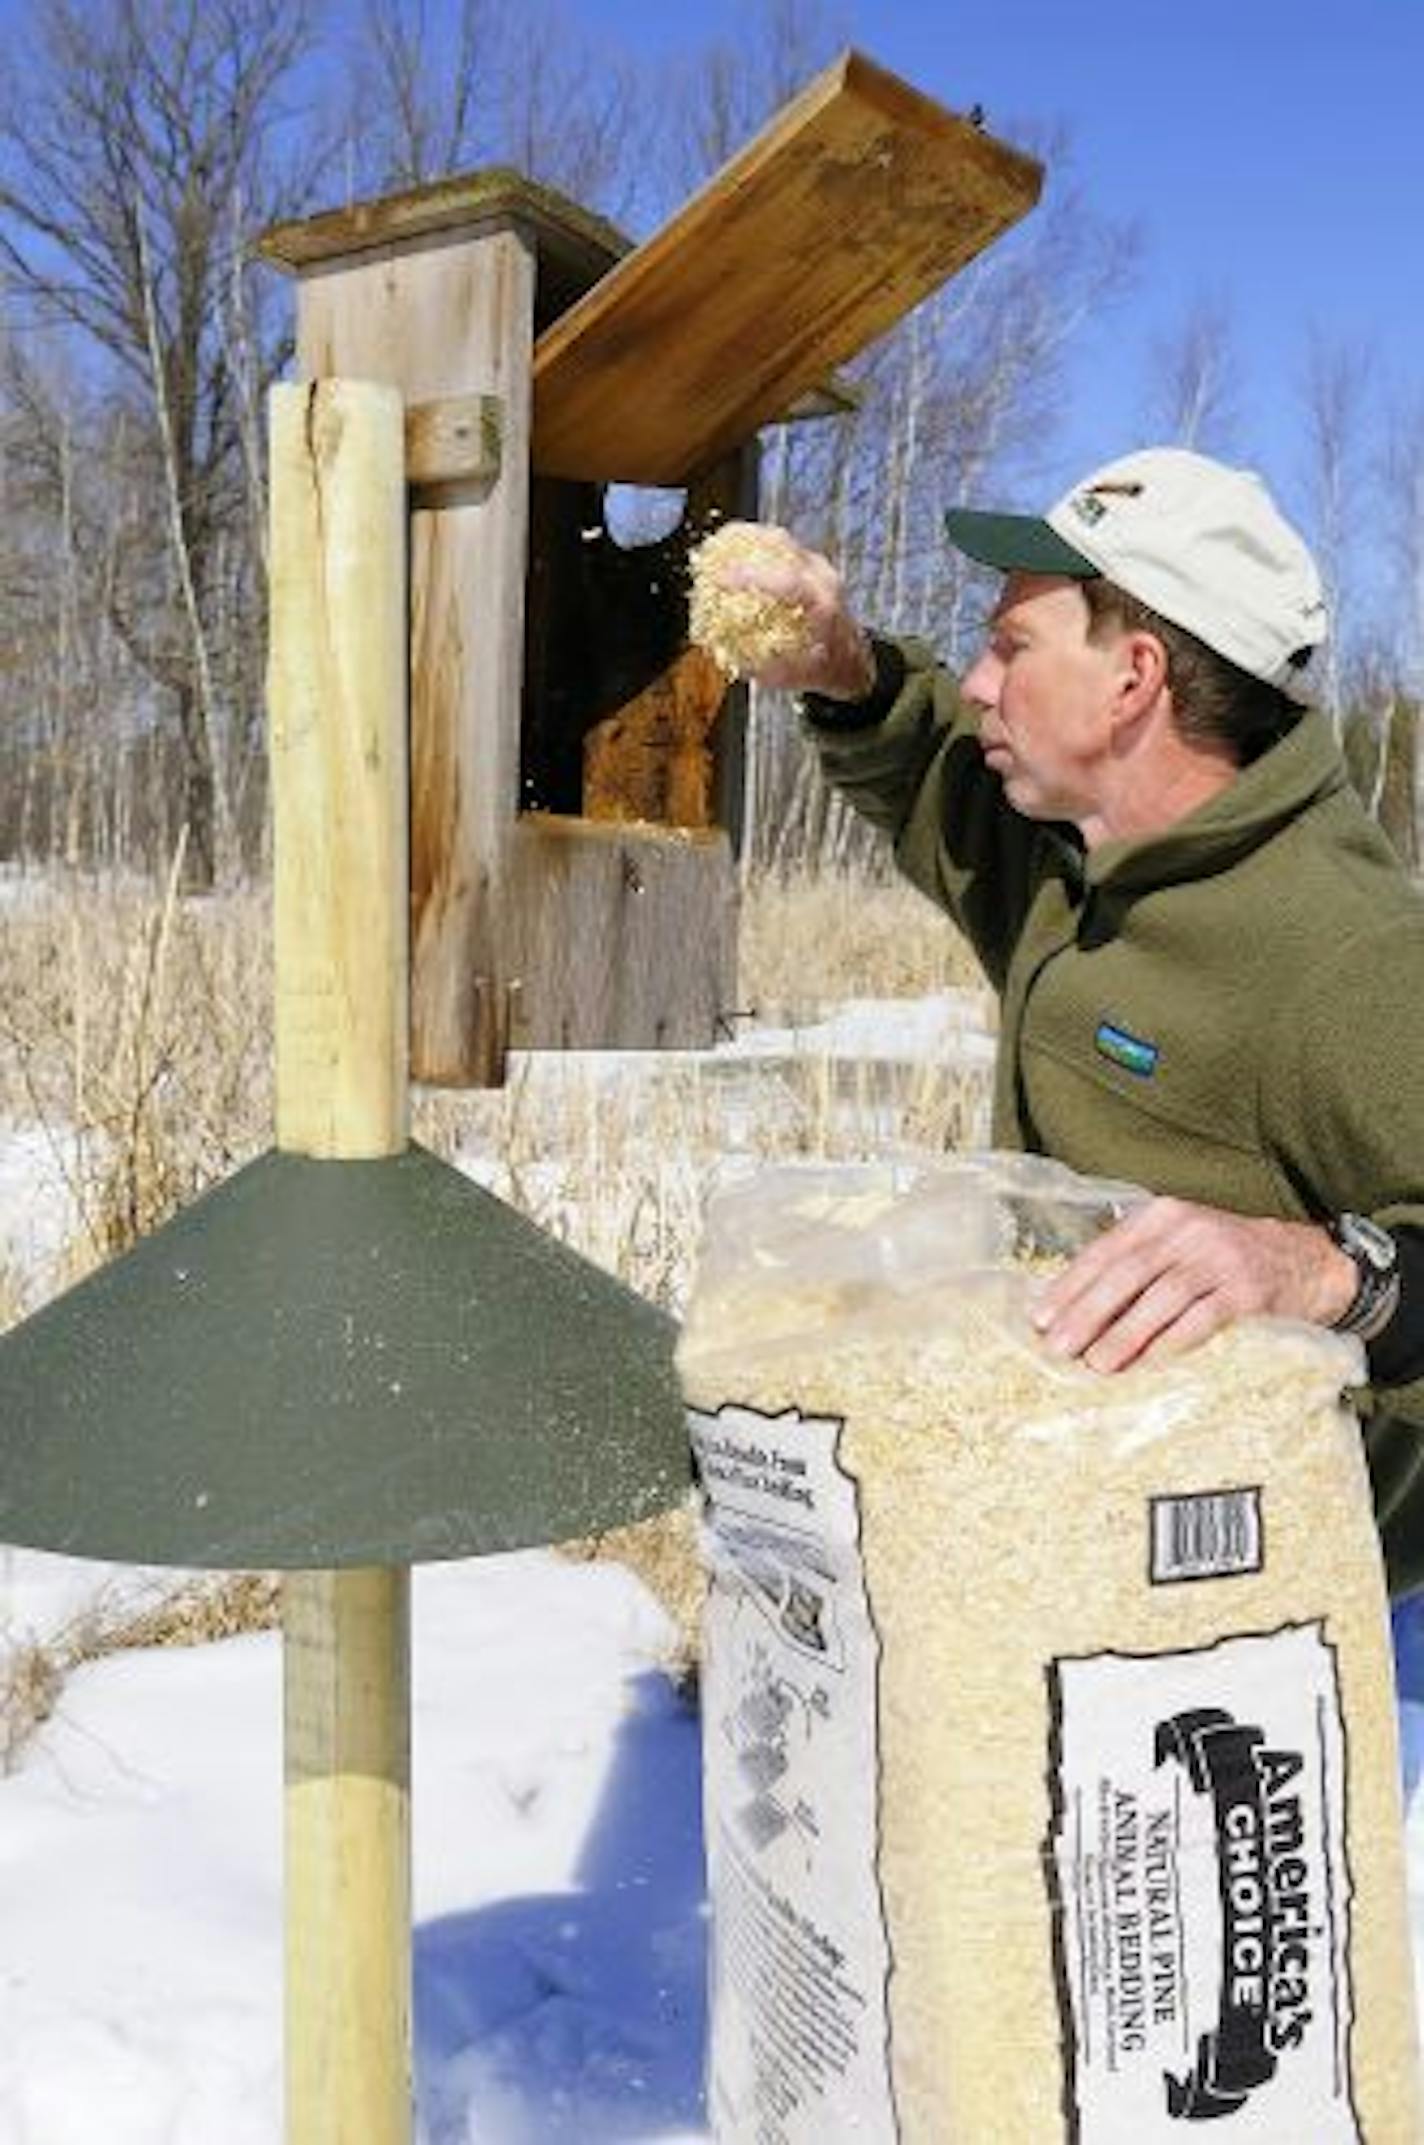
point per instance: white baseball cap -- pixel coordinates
(1202, 544)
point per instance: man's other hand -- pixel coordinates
(1171, 1273)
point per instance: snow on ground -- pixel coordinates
(927, 1030)
(21, 889)
(952, 1024)
(560, 1938)
(37, 1210)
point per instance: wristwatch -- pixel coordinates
(1376, 1257)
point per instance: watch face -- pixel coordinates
(1365, 1239)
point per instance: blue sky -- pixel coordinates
(1271, 153)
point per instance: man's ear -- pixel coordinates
(1143, 672)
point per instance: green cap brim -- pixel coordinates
(1015, 543)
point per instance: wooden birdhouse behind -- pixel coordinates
(576, 770)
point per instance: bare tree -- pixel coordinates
(718, 95)
(1334, 394)
(422, 89)
(1193, 395)
(67, 687)
(492, 84)
(135, 157)
(1402, 484)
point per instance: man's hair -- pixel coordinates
(1215, 703)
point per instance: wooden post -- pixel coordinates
(439, 317)
(339, 755)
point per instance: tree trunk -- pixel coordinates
(199, 799)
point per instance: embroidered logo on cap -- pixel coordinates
(1131, 1052)
(1089, 505)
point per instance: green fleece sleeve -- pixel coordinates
(1343, 1096)
(919, 776)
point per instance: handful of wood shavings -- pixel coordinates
(742, 629)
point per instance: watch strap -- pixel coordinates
(1376, 1297)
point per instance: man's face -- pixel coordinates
(1046, 695)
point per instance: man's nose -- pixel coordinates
(980, 683)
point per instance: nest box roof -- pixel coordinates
(860, 198)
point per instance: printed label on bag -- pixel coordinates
(799, 1949)
(1201, 1893)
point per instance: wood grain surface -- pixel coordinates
(338, 754)
(859, 199)
(453, 318)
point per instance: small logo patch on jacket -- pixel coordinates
(1129, 1051)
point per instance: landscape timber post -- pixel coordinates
(338, 691)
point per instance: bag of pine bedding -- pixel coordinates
(1050, 1759)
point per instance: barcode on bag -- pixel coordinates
(1212, 1535)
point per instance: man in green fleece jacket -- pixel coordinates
(1210, 962)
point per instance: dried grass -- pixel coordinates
(194, 1611)
(13, 1294)
(31, 1679)
(620, 1168)
(810, 942)
(135, 1033)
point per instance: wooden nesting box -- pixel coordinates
(575, 769)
